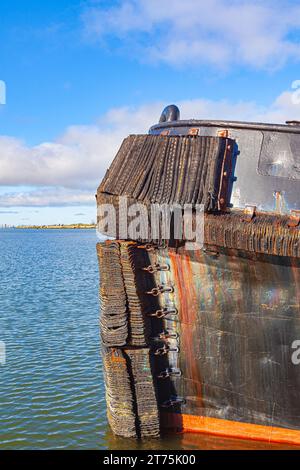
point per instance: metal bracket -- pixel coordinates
(164, 335)
(164, 312)
(294, 218)
(173, 401)
(226, 176)
(249, 213)
(223, 133)
(210, 251)
(157, 267)
(156, 291)
(165, 350)
(171, 372)
(193, 131)
(148, 247)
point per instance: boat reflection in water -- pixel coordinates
(190, 441)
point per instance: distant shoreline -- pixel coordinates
(57, 227)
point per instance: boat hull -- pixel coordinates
(220, 358)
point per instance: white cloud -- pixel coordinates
(79, 158)
(49, 197)
(68, 171)
(220, 32)
(8, 212)
(280, 110)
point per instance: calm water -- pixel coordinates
(51, 388)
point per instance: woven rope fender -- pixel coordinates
(130, 389)
(178, 169)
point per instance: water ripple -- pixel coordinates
(51, 388)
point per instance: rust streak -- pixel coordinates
(184, 281)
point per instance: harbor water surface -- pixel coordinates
(51, 387)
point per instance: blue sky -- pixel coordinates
(81, 75)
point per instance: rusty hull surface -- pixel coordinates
(238, 316)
